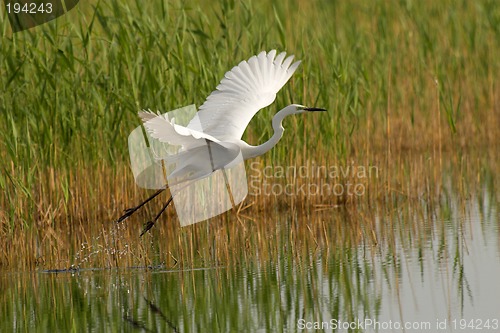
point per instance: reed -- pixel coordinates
(291, 267)
(409, 87)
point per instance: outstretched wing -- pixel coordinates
(160, 127)
(243, 91)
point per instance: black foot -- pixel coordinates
(148, 225)
(127, 214)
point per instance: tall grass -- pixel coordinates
(398, 78)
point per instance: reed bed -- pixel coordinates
(411, 89)
(266, 225)
(272, 271)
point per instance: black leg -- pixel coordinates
(128, 212)
(148, 225)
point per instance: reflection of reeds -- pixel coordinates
(400, 97)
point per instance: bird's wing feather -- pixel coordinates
(244, 90)
(165, 130)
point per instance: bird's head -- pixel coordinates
(291, 109)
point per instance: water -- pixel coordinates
(433, 268)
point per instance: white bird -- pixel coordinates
(222, 119)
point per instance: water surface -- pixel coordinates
(427, 268)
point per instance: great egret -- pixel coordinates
(223, 117)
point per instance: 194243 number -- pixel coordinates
(29, 8)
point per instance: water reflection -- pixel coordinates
(419, 263)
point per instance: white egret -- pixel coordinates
(223, 117)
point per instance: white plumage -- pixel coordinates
(224, 116)
(212, 139)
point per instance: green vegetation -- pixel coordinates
(398, 78)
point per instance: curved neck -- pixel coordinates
(254, 151)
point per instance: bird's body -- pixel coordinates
(221, 120)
